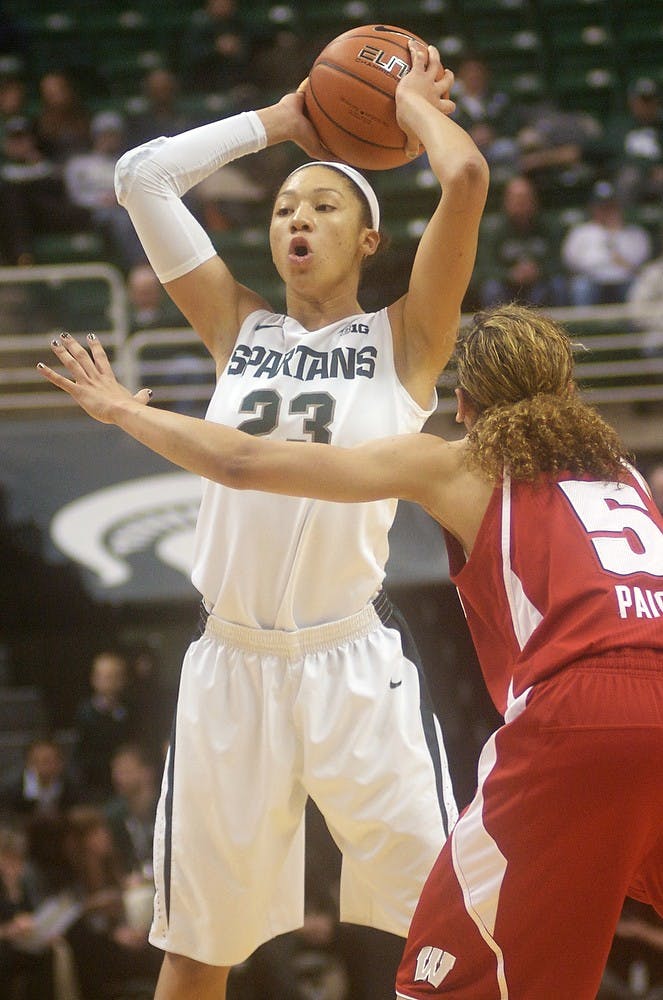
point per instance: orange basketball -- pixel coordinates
(350, 95)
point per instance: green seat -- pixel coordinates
(246, 252)
(596, 90)
(322, 22)
(523, 86)
(428, 18)
(84, 304)
(53, 39)
(483, 19)
(68, 248)
(124, 72)
(409, 192)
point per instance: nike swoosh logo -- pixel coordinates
(269, 326)
(395, 684)
(390, 31)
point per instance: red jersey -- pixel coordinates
(559, 572)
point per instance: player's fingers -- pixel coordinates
(434, 61)
(66, 349)
(59, 380)
(77, 352)
(98, 354)
(412, 146)
(447, 80)
(302, 86)
(418, 53)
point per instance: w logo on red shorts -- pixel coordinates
(433, 965)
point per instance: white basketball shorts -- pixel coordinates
(265, 719)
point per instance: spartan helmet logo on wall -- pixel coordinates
(104, 529)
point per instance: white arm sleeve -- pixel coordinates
(151, 180)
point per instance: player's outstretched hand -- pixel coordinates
(428, 79)
(92, 384)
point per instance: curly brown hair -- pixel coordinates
(516, 367)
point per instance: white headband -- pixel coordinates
(357, 179)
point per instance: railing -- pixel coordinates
(612, 345)
(38, 303)
(616, 362)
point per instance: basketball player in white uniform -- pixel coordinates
(301, 682)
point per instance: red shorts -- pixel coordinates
(523, 901)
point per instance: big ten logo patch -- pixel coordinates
(433, 965)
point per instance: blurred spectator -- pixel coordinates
(557, 151)
(153, 696)
(646, 297)
(520, 258)
(603, 254)
(26, 308)
(284, 61)
(634, 144)
(635, 965)
(486, 112)
(102, 723)
(216, 53)
(24, 974)
(307, 964)
(13, 97)
(131, 810)
(227, 197)
(150, 307)
(108, 950)
(63, 120)
(33, 197)
(89, 179)
(14, 35)
(160, 111)
(181, 365)
(46, 834)
(42, 785)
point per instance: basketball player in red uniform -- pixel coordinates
(556, 548)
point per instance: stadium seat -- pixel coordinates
(83, 304)
(124, 72)
(595, 89)
(246, 252)
(641, 40)
(68, 248)
(339, 15)
(428, 18)
(52, 38)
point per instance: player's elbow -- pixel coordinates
(241, 469)
(124, 173)
(471, 175)
(467, 180)
(138, 169)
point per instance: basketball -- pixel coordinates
(349, 96)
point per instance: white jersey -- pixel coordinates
(269, 561)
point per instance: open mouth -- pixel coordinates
(299, 248)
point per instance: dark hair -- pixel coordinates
(358, 194)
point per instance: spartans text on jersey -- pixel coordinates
(303, 363)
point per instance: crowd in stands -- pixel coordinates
(77, 821)
(76, 829)
(575, 198)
